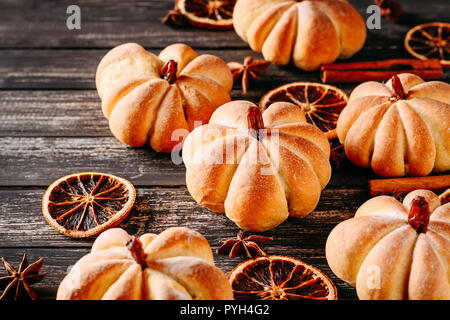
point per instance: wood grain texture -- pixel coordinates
(52, 113)
(51, 125)
(108, 23)
(57, 262)
(67, 113)
(38, 161)
(158, 209)
(75, 69)
(33, 161)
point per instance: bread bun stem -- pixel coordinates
(419, 214)
(169, 71)
(255, 122)
(135, 247)
(399, 91)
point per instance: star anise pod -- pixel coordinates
(337, 153)
(249, 71)
(390, 10)
(240, 246)
(174, 18)
(17, 284)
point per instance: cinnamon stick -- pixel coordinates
(405, 185)
(380, 70)
(385, 64)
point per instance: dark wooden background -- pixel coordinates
(51, 125)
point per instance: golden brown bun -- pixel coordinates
(385, 258)
(258, 184)
(179, 263)
(311, 33)
(143, 107)
(398, 137)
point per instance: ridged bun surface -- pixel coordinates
(143, 107)
(179, 265)
(381, 254)
(258, 183)
(310, 33)
(398, 136)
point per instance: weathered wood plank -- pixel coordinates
(52, 113)
(58, 260)
(51, 132)
(75, 69)
(103, 24)
(22, 223)
(38, 161)
(75, 113)
(23, 229)
(56, 264)
(108, 23)
(69, 69)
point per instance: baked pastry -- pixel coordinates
(176, 264)
(310, 33)
(257, 168)
(398, 128)
(391, 250)
(147, 98)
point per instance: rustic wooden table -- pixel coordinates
(51, 125)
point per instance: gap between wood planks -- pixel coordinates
(159, 208)
(156, 209)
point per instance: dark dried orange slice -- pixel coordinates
(280, 278)
(85, 204)
(208, 14)
(321, 103)
(430, 40)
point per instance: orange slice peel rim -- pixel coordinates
(93, 198)
(322, 110)
(281, 290)
(214, 19)
(434, 42)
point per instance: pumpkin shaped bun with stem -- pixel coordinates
(176, 264)
(258, 168)
(398, 128)
(310, 33)
(392, 250)
(147, 97)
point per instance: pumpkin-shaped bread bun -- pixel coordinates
(310, 33)
(392, 250)
(176, 264)
(398, 128)
(257, 168)
(147, 97)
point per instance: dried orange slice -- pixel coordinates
(85, 204)
(209, 14)
(430, 40)
(321, 103)
(280, 278)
